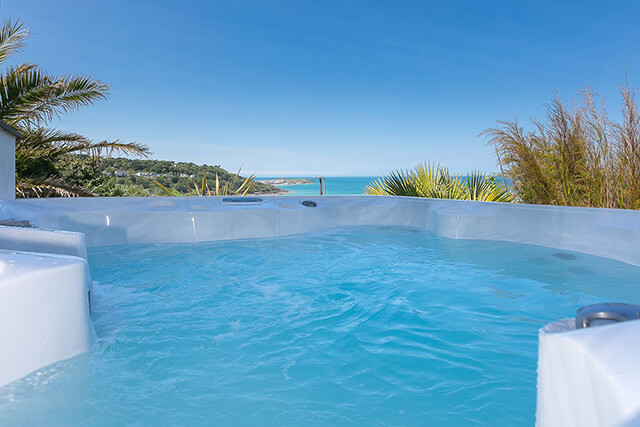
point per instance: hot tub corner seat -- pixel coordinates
(44, 311)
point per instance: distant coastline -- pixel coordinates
(286, 181)
(335, 185)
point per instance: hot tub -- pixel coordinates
(347, 310)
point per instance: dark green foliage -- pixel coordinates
(100, 176)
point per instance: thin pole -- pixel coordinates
(320, 180)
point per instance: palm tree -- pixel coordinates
(29, 100)
(435, 182)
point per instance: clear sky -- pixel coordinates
(327, 87)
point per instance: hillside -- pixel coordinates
(178, 176)
(118, 177)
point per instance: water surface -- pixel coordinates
(335, 186)
(350, 326)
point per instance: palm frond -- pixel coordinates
(50, 187)
(20, 87)
(483, 187)
(433, 181)
(50, 143)
(398, 183)
(45, 142)
(12, 36)
(30, 97)
(107, 149)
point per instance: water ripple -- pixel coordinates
(352, 326)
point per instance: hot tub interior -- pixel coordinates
(349, 325)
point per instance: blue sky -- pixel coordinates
(327, 87)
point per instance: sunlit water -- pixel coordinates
(354, 326)
(334, 186)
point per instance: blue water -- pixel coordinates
(350, 326)
(335, 186)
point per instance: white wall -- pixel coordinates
(7, 165)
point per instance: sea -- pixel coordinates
(335, 185)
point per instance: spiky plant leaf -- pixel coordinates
(168, 192)
(433, 181)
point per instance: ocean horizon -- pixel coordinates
(335, 185)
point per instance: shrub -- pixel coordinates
(577, 157)
(435, 181)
